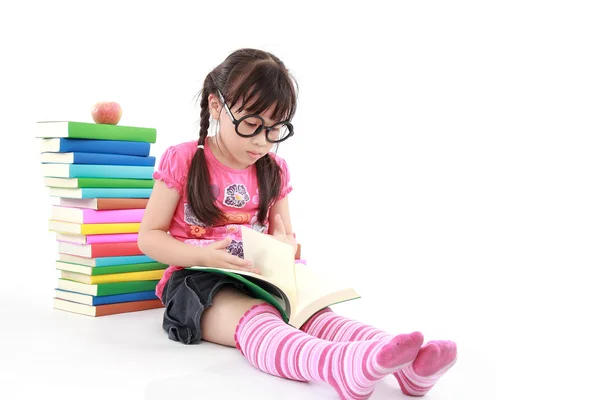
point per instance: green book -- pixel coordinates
(297, 290)
(90, 130)
(99, 183)
(112, 269)
(105, 289)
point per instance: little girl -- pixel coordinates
(205, 190)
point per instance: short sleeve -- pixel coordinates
(286, 186)
(171, 169)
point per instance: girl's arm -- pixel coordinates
(155, 241)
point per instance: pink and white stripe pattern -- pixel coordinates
(351, 368)
(436, 358)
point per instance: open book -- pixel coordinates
(295, 289)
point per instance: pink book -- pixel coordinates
(102, 238)
(89, 216)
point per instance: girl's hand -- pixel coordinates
(215, 255)
(280, 234)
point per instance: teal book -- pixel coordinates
(96, 171)
(100, 193)
(80, 157)
(91, 130)
(104, 261)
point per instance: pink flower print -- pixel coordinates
(236, 195)
(256, 198)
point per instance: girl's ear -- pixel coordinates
(214, 106)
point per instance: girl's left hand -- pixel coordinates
(279, 233)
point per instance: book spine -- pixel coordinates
(124, 298)
(110, 171)
(112, 159)
(111, 238)
(124, 147)
(115, 183)
(119, 269)
(112, 216)
(85, 130)
(125, 227)
(108, 193)
(120, 203)
(115, 249)
(102, 262)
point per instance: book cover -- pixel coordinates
(89, 130)
(97, 250)
(106, 289)
(111, 278)
(90, 229)
(105, 203)
(101, 238)
(96, 171)
(96, 158)
(295, 289)
(65, 145)
(106, 309)
(99, 300)
(113, 269)
(96, 183)
(100, 262)
(88, 216)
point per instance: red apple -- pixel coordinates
(107, 112)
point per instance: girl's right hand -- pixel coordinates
(215, 255)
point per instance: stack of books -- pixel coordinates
(99, 177)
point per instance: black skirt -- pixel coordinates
(186, 295)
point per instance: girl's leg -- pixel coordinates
(269, 344)
(416, 379)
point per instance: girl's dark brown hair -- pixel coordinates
(256, 76)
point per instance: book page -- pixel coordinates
(274, 259)
(318, 289)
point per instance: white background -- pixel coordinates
(445, 157)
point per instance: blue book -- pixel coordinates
(96, 171)
(100, 193)
(78, 157)
(108, 299)
(65, 145)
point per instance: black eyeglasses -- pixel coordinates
(252, 125)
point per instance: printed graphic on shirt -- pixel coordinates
(189, 217)
(236, 195)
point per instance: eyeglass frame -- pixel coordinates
(236, 123)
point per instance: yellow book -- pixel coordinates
(110, 278)
(295, 289)
(93, 229)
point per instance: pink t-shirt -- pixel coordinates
(236, 192)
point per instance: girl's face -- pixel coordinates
(239, 152)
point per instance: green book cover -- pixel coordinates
(105, 289)
(112, 269)
(90, 130)
(261, 289)
(100, 183)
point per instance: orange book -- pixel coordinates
(106, 309)
(105, 203)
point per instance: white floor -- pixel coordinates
(54, 354)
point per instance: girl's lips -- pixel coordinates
(254, 155)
